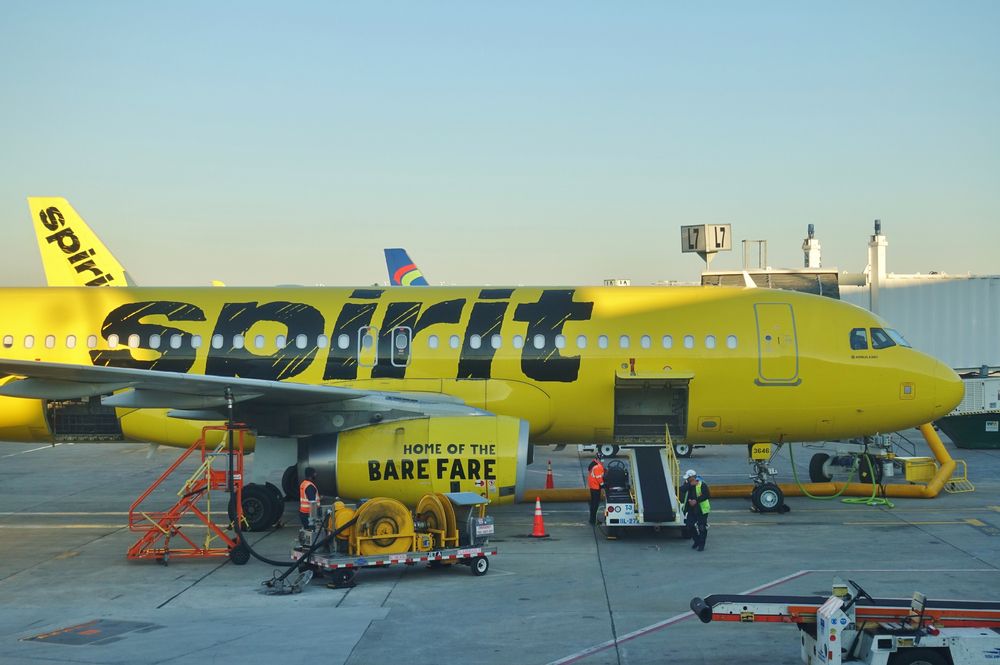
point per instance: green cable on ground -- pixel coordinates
(872, 500)
(795, 473)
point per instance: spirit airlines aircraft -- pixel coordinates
(398, 392)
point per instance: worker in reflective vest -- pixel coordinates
(307, 492)
(695, 500)
(595, 481)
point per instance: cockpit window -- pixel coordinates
(859, 339)
(881, 339)
(897, 338)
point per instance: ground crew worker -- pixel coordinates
(595, 481)
(307, 492)
(695, 499)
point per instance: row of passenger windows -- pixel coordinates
(401, 341)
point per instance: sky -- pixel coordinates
(501, 143)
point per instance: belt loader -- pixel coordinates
(853, 627)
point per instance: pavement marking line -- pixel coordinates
(76, 514)
(677, 618)
(907, 523)
(24, 452)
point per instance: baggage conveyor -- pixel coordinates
(851, 626)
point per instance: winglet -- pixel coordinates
(402, 270)
(72, 254)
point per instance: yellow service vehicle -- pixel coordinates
(381, 532)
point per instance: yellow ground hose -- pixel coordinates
(946, 467)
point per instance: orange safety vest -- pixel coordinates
(596, 478)
(303, 499)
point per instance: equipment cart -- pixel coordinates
(383, 532)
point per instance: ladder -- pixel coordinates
(160, 527)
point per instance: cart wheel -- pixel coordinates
(767, 498)
(435, 563)
(343, 578)
(817, 468)
(683, 449)
(240, 554)
(918, 657)
(480, 565)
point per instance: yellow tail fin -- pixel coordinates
(72, 254)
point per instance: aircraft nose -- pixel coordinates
(950, 390)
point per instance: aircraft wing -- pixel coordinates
(271, 406)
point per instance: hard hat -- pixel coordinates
(689, 474)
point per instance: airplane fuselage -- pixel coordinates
(584, 364)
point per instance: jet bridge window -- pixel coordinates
(859, 339)
(881, 339)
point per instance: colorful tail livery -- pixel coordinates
(402, 270)
(72, 254)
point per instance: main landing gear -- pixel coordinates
(263, 506)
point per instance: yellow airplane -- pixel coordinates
(398, 392)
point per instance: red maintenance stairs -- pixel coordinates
(162, 529)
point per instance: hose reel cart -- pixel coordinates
(385, 532)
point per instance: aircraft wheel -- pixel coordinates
(260, 508)
(480, 565)
(683, 449)
(290, 483)
(607, 449)
(918, 657)
(818, 468)
(279, 502)
(867, 465)
(767, 498)
(342, 578)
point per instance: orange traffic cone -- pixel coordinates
(549, 482)
(539, 530)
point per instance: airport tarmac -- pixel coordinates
(574, 597)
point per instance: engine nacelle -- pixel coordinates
(407, 459)
(23, 420)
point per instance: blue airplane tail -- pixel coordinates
(402, 270)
